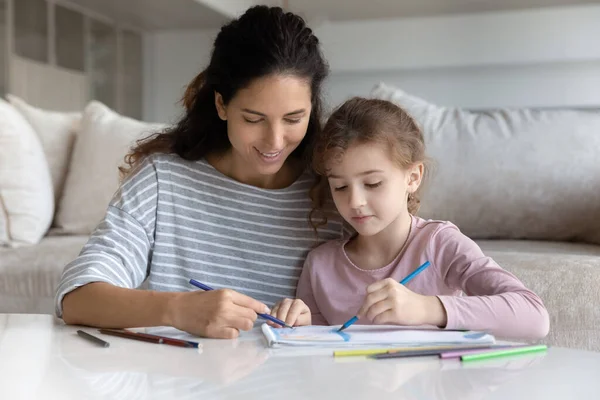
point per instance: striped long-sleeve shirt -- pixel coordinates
(173, 220)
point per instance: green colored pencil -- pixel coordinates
(504, 352)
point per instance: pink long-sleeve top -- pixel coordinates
(475, 291)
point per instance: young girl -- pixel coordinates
(372, 155)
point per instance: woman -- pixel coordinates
(222, 197)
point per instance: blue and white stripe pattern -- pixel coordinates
(173, 219)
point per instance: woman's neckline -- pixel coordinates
(298, 179)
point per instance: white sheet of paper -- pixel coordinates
(369, 335)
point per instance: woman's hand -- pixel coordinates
(389, 302)
(214, 314)
(291, 311)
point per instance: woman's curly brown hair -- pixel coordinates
(263, 41)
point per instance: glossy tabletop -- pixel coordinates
(41, 358)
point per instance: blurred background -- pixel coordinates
(136, 56)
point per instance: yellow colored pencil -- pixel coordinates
(370, 352)
(364, 352)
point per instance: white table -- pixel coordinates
(41, 358)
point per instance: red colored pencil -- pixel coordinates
(146, 337)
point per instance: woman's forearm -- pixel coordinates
(107, 306)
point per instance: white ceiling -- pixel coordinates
(209, 14)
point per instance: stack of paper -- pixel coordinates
(370, 335)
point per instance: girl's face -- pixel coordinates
(369, 189)
(266, 121)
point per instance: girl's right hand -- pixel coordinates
(291, 311)
(218, 314)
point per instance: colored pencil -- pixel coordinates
(369, 352)
(504, 353)
(458, 353)
(265, 316)
(145, 337)
(433, 352)
(93, 339)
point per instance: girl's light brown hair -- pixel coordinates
(361, 121)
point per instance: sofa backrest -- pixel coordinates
(510, 173)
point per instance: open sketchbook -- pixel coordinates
(369, 335)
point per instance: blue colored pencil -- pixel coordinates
(265, 316)
(415, 273)
(404, 281)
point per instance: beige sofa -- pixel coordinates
(506, 178)
(54, 193)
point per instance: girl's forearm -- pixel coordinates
(435, 313)
(513, 315)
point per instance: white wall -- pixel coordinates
(172, 59)
(556, 84)
(540, 58)
(535, 58)
(499, 38)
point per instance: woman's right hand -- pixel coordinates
(293, 312)
(214, 314)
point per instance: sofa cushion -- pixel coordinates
(539, 247)
(567, 278)
(93, 177)
(56, 131)
(26, 195)
(510, 174)
(29, 275)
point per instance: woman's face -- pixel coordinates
(266, 121)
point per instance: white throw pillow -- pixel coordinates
(57, 131)
(26, 196)
(510, 173)
(93, 177)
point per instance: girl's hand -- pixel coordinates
(214, 314)
(291, 311)
(389, 302)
